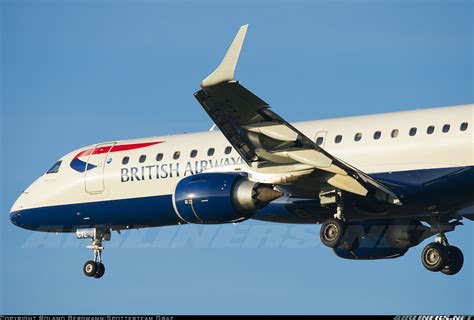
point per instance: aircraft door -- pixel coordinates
(94, 174)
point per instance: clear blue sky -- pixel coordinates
(79, 72)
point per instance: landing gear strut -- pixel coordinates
(94, 268)
(439, 255)
(333, 229)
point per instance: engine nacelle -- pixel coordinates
(381, 240)
(211, 198)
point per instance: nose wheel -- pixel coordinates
(94, 268)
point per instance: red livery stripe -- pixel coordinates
(116, 148)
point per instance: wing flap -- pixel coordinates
(274, 131)
(347, 183)
(310, 157)
(265, 140)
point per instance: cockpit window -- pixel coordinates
(54, 168)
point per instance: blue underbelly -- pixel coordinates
(116, 214)
(422, 192)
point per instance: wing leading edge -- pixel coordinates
(267, 142)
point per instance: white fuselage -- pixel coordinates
(394, 149)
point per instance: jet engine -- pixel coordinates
(211, 198)
(381, 240)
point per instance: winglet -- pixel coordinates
(225, 71)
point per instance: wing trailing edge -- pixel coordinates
(268, 143)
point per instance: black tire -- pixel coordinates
(100, 270)
(455, 261)
(434, 256)
(332, 232)
(90, 268)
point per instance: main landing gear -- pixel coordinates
(94, 268)
(440, 256)
(436, 256)
(333, 229)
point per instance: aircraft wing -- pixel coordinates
(267, 142)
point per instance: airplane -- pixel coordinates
(377, 184)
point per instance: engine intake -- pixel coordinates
(211, 198)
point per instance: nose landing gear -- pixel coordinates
(94, 268)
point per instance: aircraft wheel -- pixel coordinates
(90, 268)
(455, 261)
(100, 270)
(332, 232)
(434, 256)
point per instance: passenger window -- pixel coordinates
(228, 150)
(125, 160)
(358, 136)
(159, 157)
(338, 138)
(210, 152)
(412, 132)
(54, 168)
(142, 158)
(377, 135)
(464, 126)
(430, 129)
(194, 153)
(394, 133)
(446, 128)
(319, 141)
(176, 155)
